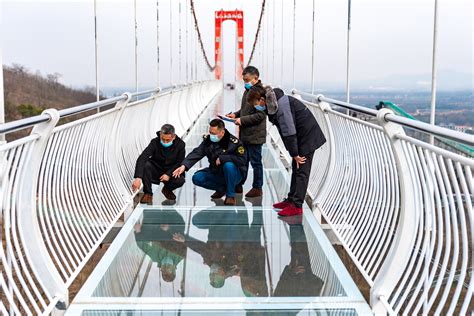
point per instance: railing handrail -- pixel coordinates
(416, 125)
(31, 121)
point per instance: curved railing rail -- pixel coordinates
(63, 187)
(401, 207)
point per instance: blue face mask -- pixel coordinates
(166, 145)
(214, 138)
(259, 108)
(248, 85)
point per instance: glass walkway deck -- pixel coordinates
(198, 257)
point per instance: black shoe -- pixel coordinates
(217, 195)
(169, 195)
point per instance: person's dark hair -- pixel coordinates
(255, 93)
(250, 70)
(217, 123)
(167, 129)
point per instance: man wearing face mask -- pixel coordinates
(157, 163)
(301, 135)
(227, 162)
(253, 132)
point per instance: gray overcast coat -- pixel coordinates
(253, 130)
(296, 124)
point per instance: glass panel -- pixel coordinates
(286, 312)
(219, 252)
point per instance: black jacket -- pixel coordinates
(229, 148)
(297, 126)
(253, 129)
(167, 158)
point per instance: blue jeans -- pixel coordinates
(254, 157)
(212, 180)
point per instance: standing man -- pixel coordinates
(227, 162)
(157, 163)
(301, 135)
(253, 131)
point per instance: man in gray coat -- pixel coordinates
(253, 132)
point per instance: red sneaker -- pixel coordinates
(282, 205)
(291, 210)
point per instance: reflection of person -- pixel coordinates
(297, 278)
(301, 135)
(232, 248)
(157, 163)
(154, 236)
(227, 162)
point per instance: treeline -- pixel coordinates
(28, 94)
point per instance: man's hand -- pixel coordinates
(218, 162)
(178, 237)
(164, 178)
(299, 161)
(237, 122)
(179, 171)
(230, 115)
(136, 184)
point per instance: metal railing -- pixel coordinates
(64, 187)
(401, 207)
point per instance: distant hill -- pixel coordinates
(28, 94)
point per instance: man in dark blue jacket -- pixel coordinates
(157, 163)
(227, 162)
(301, 135)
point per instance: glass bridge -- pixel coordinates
(199, 257)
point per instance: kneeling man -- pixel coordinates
(157, 163)
(227, 162)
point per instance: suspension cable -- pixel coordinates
(294, 39)
(196, 26)
(157, 43)
(262, 11)
(179, 43)
(312, 50)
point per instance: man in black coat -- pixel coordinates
(157, 162)
(301, 135)
(227, 162)
(252, 131)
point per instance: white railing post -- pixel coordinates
(114, 149)
(399, 254)
(29, 227)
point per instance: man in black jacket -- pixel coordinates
(301, 135)
(253, 131)
(227, 162)
(157, 162)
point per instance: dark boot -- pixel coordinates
(217, 195)
(147, 199)
(169, 195)
(229, 201)
(254, 193)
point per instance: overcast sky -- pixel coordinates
(391, 41)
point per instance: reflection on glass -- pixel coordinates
(154, 236)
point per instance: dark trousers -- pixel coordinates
(213, 180)
(153, 173)
(300, 180)
(254, 157)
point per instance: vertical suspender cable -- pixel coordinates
(312, 51)
(96, 45)
(433, 70)
(348, 96)
(282, 15)
(179, 42)
(273, 44)
(136, 46)
(171, 42)
(157, 43)
(2, 100)
(294, 40)
(187, 40)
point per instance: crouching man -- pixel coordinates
(227, 162)
(157, 162)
